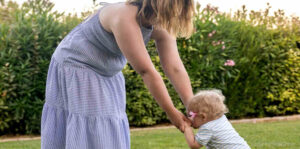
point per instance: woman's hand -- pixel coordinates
(178, 119)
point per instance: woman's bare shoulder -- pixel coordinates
(113, 13)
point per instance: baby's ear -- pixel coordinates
(203, 116)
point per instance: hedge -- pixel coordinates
(264, 80)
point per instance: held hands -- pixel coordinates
(178, 119)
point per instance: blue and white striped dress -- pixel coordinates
(219, 134)
(85, 91)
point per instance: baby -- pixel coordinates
(206, 111)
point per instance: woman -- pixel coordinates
(85, 91)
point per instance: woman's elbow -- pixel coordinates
(142, 72)
(147, 72)
(172, 71)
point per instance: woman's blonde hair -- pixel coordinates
(210, 102)
(176, 16)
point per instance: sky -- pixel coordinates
(290, 7)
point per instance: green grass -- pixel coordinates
(275, 135)
(35, 144)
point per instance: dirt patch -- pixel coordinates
(7, 138)
(267, 119)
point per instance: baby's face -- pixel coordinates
(197, 121)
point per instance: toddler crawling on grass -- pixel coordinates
(206, 111)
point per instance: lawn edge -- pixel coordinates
(168, 126)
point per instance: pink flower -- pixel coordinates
(219, 42)
(208, 7)
(223, 47)
(229, 63)
(214, 43)
(212, 33)
(223, 42)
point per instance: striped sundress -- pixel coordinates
(85, 91)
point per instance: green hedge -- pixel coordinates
(263, 82)
(27, 40)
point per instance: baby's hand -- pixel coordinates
(187, 126)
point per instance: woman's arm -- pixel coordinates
(172, 64)
(129, 39)
(190, 138)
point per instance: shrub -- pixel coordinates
(28, 39)
(251, 57)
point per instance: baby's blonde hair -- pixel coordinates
(210, 102)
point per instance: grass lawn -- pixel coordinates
(275, 135)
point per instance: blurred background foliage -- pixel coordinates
(263, 81)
